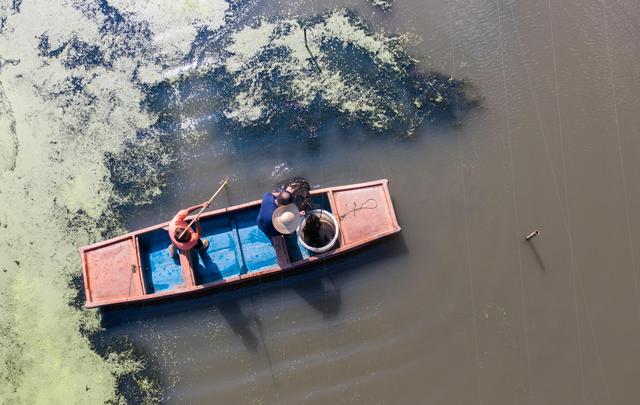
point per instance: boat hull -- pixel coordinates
(136, 267)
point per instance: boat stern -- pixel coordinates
(111, 272)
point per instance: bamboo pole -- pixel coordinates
(224, 183)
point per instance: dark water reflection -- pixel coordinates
(322, 294)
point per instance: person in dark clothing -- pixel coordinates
(269, 204)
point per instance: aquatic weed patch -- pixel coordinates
(384, 5)
(300, 73)
(72, 76)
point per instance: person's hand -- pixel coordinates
(302, 213)
(205, 204)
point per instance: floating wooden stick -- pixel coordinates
(306, 45)
(532, 235)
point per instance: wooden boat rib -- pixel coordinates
(137, 267)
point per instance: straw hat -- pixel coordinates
(286, 219)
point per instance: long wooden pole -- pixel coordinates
(224, 183)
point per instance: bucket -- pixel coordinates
(328, 235)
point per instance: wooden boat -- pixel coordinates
(137, 267)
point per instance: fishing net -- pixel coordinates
(300, 188)
(317, 233)
(311, 230)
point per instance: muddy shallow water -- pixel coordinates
(458, 308)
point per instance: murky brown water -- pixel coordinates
(458, 309)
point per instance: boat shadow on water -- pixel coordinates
(321, 293)
(239, 305)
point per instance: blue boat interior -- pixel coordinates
(236, 246)
(161, 271)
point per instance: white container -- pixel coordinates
(327, 218)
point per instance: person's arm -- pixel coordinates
(180, 216)
(196, 207)
(198, 228)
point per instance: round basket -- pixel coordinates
(327, 218)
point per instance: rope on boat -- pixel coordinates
(362, 206)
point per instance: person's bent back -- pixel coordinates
(182, 236)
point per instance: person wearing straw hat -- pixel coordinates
(278, 215)
(286, 219)
(190, 239)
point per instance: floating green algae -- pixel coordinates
(384, 5)
(71, 87)
(299, 73)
